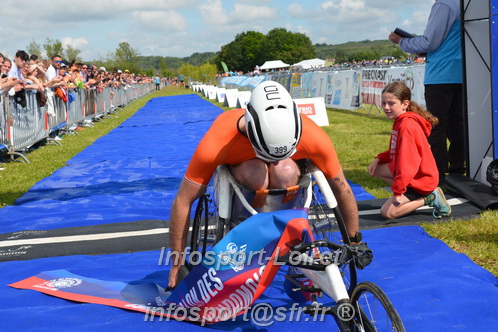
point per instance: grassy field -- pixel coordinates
(357, 136)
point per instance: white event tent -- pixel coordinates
(311, 63)
(274, 64)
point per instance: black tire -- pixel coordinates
(328, 224)
(373, 311)
(207, 227)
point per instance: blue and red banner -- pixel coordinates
(225, 284)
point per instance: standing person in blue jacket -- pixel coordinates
(182, 81)
(158, 83)
(443, 83)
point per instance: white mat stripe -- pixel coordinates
(107, 236)
(77, 238)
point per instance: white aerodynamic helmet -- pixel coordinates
(273, 122)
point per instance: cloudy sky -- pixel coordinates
(182, 27)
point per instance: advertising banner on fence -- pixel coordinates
(306, 85)
(318, 85)
(295, 86)
(313, 84)
(343, 89)
(414, 78)
(284, 80)
(375, 79)
(372, 83)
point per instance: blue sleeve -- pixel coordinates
(441, 19)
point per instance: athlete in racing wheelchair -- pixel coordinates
(264, 147)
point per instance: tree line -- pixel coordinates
(244, 53)
(252, 48)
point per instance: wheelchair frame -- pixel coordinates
(213, 215)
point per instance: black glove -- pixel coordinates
(365, 255)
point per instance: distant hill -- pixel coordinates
(360, 50)
(195, 59)
(328, 50)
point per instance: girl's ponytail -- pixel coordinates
(402, 92)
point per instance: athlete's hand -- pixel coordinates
(173, 273)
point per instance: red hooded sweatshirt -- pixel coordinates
(410, 157)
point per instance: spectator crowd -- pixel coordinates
(31, 73)
(385, 61)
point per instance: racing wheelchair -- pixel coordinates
(225, 204)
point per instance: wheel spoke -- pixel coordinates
(374, 310)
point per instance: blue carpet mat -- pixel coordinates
(130, 174)
(432, 287)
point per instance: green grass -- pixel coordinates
(476, 238)
(357, 136)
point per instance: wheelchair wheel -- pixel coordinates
(373, 311)
(328, 224)
(208, 228)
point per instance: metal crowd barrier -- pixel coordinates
(25, 126)
(57, 121)
(89, 104)
(22, 127)
(75, 109)
(102, 102)
(119, 97)
(3, 125)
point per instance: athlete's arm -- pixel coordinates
(317, 146)
(179, 222)
(346, 202)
